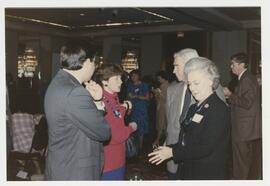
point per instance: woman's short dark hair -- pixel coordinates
(73, 54)
(163, 74)
(105, 71)
(240, 57)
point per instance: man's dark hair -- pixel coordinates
(74, 53)
(240, 58)
(163, 74)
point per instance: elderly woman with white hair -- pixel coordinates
(202, 146)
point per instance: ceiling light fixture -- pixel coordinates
(81, 14)
(120, 24)
(38, 21)
(154, 14)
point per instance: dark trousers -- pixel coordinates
(172, 176)
(9, 140)
(247, 159)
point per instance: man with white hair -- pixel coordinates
(178, 101)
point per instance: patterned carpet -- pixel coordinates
(136, 169)
(140, 169)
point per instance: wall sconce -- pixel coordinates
(180, 34)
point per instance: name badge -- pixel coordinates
(197, 118)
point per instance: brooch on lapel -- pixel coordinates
(117, 113)
(206, 105)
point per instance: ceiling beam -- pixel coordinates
(222, 18)
(134, 30)
(251, 24)
(181, 17)
(37, 28)
(210, 16)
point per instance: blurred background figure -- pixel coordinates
(8, 126)
(138, 94)
(11, 91)
(160, 94)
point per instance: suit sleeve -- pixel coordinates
(211, 137)
(247, 96)
(86, 117)
(220, 93)
(167, 104)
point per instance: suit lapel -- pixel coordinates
(241, 82)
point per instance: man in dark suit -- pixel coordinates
(76, 125)
(246, 118)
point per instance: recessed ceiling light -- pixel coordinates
(81, 14)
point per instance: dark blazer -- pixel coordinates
(76, 131)
(246, 109)
(202, 146)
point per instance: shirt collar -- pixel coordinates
(108, 94)
(240, 75)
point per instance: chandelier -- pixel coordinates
(27, 63)
(130, 61)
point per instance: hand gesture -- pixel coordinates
(131, 96)
(156, 90)
(127, 104)
(155, 144)
(160, 154)
(227, 92)
(133, 125)
(94, 89)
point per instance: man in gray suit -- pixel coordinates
(178, 101)
(76, 125)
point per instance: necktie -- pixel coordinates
(186, 104)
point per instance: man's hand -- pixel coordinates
(227, 92)
(94, 89)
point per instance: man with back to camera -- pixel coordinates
(178, 101)
(76, 125)
(245, 118)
